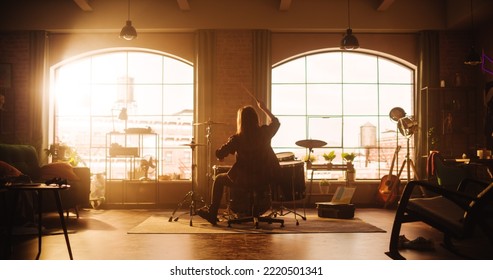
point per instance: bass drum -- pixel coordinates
(291, 182)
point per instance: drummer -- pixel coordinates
(256, 163)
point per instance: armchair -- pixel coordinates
(459, 214)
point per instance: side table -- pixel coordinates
(40, 189)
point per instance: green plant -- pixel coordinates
(349, 157)
(61, 152)
(310, 158)
(330, 156)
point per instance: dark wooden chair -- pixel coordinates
(458, 214)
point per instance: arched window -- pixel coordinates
(155, 89)
(343, 99)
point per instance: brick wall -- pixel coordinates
(14, 50)
(233, 69)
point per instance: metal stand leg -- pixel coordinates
(190, 195)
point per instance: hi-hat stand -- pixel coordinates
(208, 137)
(191, 195)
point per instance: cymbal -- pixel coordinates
(311, 143)
(209, 122)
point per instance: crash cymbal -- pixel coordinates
(311, 143)
(209, 122)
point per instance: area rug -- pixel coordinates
(159, 224)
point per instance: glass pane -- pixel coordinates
(324, 99)
(393, 73)
(392, 96)
(177, 98)
(359, 68)
(326, 129)
(104, 100)
(352, 129)
(360, 99)
(288, 99)
(147, 100)
(291, 72)
(324, 68)
(75, 73)
(292, 129)
(177, 72)
(145, 68)
(73, 100)
(107, 68)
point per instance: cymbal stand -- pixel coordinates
(190, 196)
(209, 156)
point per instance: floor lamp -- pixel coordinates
(407, 126)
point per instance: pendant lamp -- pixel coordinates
(473, 58)
(349, 42)
(128, 31)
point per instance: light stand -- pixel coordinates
(407, 126)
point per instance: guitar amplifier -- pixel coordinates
(335, 210)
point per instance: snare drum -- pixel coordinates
(291, 182)
(285, 156)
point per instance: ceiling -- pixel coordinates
(277, 15)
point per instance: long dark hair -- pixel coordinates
(247, 121)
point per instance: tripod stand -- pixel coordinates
(410, 164)
(190, 196)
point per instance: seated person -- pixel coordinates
(256, 163)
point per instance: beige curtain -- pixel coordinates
(428, 76)
(205, 60)
(38, 124)
(262, 65)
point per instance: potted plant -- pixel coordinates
(324, 185)
(350, 172)
(330, 156)
(309, 159)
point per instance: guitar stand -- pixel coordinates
(190, 196)
(395, 192)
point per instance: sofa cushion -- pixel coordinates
(7, 170)
(58, 170)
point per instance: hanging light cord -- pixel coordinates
(349, 14)
(128, 10)
(472, 17)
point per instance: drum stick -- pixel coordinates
(249, 93)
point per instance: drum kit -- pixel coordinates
(191, 196)
(292, 184)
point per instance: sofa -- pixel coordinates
(21, 161)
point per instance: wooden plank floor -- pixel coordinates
(102, 235)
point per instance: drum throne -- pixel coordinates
(250, 205)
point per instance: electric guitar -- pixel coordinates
(389, 183)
